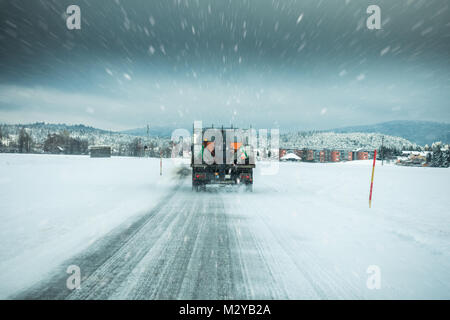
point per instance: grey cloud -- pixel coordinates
(250, 61)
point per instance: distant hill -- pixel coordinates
(419, 132)
(40, 130)
(122, 144)
(153, 131)
(81, 128)
(416, 132)
(346, 141)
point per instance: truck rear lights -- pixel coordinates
(200, 176)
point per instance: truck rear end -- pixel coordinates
(222, 156)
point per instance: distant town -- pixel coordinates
(438, 155)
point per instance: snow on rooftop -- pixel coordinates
(290, 156)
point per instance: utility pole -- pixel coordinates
(148, 140)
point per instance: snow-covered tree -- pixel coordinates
(24, 141)
(429, 158)
(437, 159)
(446, 156)
(356, 140)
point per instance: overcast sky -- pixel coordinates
(288, 64)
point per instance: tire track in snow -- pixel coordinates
(152, 239)
(322, 281)
(203, 260)
(215, 260)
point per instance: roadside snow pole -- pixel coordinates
(371, 181)
(160, 163)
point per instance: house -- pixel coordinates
(363, 155)
(335, 156)
(100, 151)
(322, 156)
(360, 154)
(299, 153)
(413, 158)
(290, 157)
(316, 156)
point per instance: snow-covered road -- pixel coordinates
(186, 247)
(304, 233)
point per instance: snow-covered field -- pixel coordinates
(305, 232)
(52, 207)
(316, 218)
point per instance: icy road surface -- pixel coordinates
(304, 233)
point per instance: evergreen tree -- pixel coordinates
(446, 157)
(437, 159)
(428, 157)
(58, 143)
(135, 148)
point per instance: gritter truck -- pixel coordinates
(222, 156)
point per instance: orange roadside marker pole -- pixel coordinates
(160, 163)
(371, 181)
